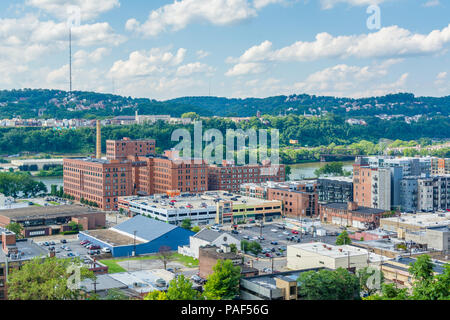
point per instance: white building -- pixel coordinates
(207, 237)
(317, 254)
(381, 189)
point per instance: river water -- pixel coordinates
(306, 170)
(48, 181)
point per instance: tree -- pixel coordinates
(156, 295)
(333, 168)
(180, 288)
(17, 228)
(337, 284)
(369, 279)
(190, 115)
(195, 229)
(75, 226)
(233, 248)
(426, 285)
(46, 279)
(245, 245)
(186, 224)
(223, 284)
(255, 247)
(165, 255)
(343, 238)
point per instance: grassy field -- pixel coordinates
(114, 267)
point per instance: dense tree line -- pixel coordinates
(15, 184)
(312, 133)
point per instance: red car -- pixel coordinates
(84, 242)
(268, 255)
(294, 232)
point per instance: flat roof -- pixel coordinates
(112, 237)
(28, 250)
(33, 212)
(197, 201)
(422, 220)
(361, 210)
(337, 251)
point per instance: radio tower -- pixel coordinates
(70, 60)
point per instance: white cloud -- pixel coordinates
(441, 75)
(89, 9)
(387, 42)
(201, 54)
(142, 63)
(194, 68)
(83, 57)
(352, 81)
(432, 3)
(329, 4)
(241, 69)
(177, 15)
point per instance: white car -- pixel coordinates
(106, 250)
(286, 233)
(274, 230)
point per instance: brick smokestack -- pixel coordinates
(99, 140)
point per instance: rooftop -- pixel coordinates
(195, 201)
(112, 237)
(146, 229)
(144, 281)
(360, 210)
(27, 251)
(337, 251)
(33, 212)
(422, 220)
(208, 235)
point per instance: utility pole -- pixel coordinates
(134, 243)
(70, 60)
(272, 266)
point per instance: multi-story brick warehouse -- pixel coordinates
(163, 173)
(99, 181)
(302, 202)
(229, 177)
(122, 149)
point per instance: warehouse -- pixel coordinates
(138, 236)
(47, 221)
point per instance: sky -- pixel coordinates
(164, 49)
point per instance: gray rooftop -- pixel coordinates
(146, 228)
(360, 210)
(208, 235)
(104, 282)
(33, 212)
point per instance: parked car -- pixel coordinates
(286, 233)
(52, 243)
(268, 255)
(46, 244)
(106, 250)
(70, 254)
(63, 241)
(84, 242)
(294, 232)
(275, 243)
(235, 232)
(246, 237)
(67, 249)
(274, 230)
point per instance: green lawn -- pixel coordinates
(54, 203)
(114, 267)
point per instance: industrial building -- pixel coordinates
(203, 208)
(317, 254)
(229, 176)
(138, 236)
(45, 221)
(351, 215)
(277, 286)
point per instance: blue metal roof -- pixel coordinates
(146, 228)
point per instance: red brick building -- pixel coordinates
(229, 177)
(122, 149)
(297, 203)
(210, 255)
(351, 215)
(362, 184)
(99, 181)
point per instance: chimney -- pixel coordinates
(99, 140)
(8, 239)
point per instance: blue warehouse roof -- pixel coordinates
(146, 228)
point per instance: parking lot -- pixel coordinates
(71, 248)
(274, 238)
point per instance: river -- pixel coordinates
(306, 170)
(48, 181)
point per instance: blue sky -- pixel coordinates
(163, 49)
